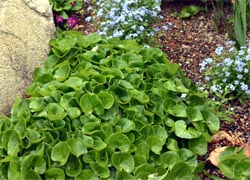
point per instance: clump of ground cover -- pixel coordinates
(106, 108)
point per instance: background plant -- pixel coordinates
(106, 109)
(62, 10)
(128, 19)
(241, 20)
(227, 74)
(234, 163)
(236, 26)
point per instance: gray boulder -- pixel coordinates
(26, 26)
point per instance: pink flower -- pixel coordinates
(59, 19)
(71, 22)
(73, 3)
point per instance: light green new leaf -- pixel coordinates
(107, 99)
(55, 112)
(73, 112)
(123, 161)
(76, 146)
(11, 142)
(155, 144)
(161, 133)
(36, 104)
(143, 150)
(62, 72)
(60, 152)
(213, 122)
(126, 125)
(120, 141)
(182, 131)
(194, 114)
(74, 82)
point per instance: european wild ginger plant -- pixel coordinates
(106, 108)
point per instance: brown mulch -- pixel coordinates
(188, 42)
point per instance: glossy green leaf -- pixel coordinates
(154, 143)
(36, 105)
(55, 111)
(76, 146)
(143, 150)
(35, 163)
(54, 174)
(161, 133)
(123, 161)
(180, 171)
(119, 140)
(213, 122)
(99, 144)
(124, 175)
(89, 103)
(62, 72)
(107, 99)
(242, 169)
(74, 82)
(60, 153)
(198, 145)
(140, 96)
(194, 114)
(169, 159)
(87, 174)
(73, 166)
(182, 131)
(101, 171)
(30, 174)
(126, 125)
(14, 171)
(121, 94)
(73, 112)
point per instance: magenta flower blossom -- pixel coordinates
(73, 4)
(59, 19)
(71, 22)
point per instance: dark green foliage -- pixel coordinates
(105, 109)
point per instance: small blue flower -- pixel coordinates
(165, 28)
(228, 61)
(231, 87)
(219, 50)
(248, 57)
(246, 70)
(243, 86)
(227, 74)
(239, 76)
(236, 82)
(87, 19)
(241, 52)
